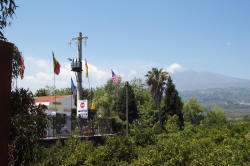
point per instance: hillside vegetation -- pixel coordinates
(236, 101)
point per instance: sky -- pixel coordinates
(131, 37)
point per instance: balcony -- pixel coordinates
(76, 66)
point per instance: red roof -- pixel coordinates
(48, 98)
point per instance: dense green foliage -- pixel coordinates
(105, 99)
(121, 104)
(28, 125)
(192, 111)
(173, 103)
(50, 91)
(220, 144)
(215, 116)
(16, 63)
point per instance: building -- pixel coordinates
(59, 110)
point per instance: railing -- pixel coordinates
(63, 126)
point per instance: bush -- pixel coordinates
(73, 152)
(28, 125)
(115, 150)
(143, 137)
(215, 116)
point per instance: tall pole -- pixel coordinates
(79, 73)
(127, 108)
(79, 60)
(54, 121)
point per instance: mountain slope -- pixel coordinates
(191, 80)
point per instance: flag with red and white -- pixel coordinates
(115, 77)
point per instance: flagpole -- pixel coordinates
(88, 82)
(71, 97)
(55, 104)
(55, 89)
(55, 101)
(56, 70)
(71, 106)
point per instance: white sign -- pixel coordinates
(82, 108)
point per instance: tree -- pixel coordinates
(42, 92)
(173, 104)
(7, 10)
(28, 125)
(105, 98)
(215, 116)
(145, 105)
(50, 90)
(156, 80)
(192, 111)
(16, 63)
(141, 91)
(121, 105)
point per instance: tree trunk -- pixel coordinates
(6, 50)
(159, 113)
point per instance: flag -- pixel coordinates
(73, 89)
(22, 67)
(56, 65)
(86, 68)
(115, 77)
(92, 106)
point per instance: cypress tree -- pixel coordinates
(173, 103)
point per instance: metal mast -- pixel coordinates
(76, 65)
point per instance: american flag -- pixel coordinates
(115, 77)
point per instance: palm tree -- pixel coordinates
(156, 80)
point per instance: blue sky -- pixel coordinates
(131, 37)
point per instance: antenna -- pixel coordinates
(70, 43)
(85, 40)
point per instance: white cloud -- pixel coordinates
(41, 76)
(39, 62)
(132, 73)
(121, 75)
(175, 67)
(65, 72)
(42, 63)
(228, 43)
(97, 74)
(29, 78)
